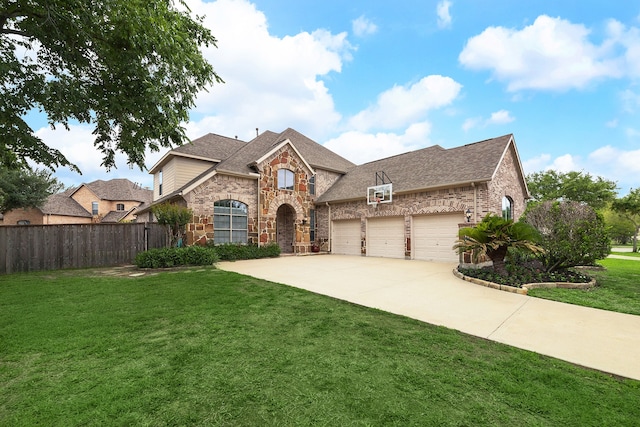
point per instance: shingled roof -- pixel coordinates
(63, 204)
(315, 154)
(119, 189)
(211, 146)
(428, 168)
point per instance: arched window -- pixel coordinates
(229, 222)
(285, 179)
(507, 207)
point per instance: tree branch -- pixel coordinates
(14, 32)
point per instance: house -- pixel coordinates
(285, 188)
(115, 200)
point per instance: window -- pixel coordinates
(94, 208)
(160, 183)
(507, 207)
(285, 179)
(120, 207)
(312, 185)
(23, 222)
(312, 225)
(229, 222)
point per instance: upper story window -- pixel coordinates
(160, 183)
(94, 208)
(507, 207)
(229, 222)
(120, 207)
(312, 185)
(285, 179)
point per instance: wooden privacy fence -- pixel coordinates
(52, 247)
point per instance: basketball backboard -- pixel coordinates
(379, 194)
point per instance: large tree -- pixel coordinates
(130, 68)
(25, 188)
(629, 207)
(551, 185)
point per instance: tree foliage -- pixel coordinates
(629, 207)
(572, 234)
(175, 218)
(494, 236)
(621, 229)
(25, 188)
(550, 185)
(130, 68)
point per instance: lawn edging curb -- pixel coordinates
(524, 290)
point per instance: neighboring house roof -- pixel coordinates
(431, 167)
(119, 189)
(211, 147)
(116, 216)
(63, 204)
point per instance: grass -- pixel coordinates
(631, 254)
(618, 288)
(208, 347)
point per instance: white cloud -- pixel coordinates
(500, 117)
(77, 146)
(550, 54)
(630, 100)
(444, 16)
(609, 162)
(361, 147)
(471, 123)
(613, 123)
(402, 105)
(271, 82)
(536, 164)
(363, 27)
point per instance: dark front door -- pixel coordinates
(285, 219)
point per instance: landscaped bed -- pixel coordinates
(521, 279)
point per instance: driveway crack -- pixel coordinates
(509, 317)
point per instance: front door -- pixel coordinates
(285, 228)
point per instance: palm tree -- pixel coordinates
(493, 237)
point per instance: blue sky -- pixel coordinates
(370, 79)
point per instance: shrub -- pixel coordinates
(572, 234)
(173, 257)
(236, 251)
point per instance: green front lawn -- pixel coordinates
(208, 347)
(618, 288)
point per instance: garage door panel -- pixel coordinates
(346, 237)
(385, 237)
(434, 237)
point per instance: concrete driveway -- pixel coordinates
(429, 292)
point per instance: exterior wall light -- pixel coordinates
(467, 214)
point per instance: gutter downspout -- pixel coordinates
(475, 202)
(258, 209)
(330, 231)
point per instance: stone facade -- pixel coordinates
(272, 198)
(220, 187)
(508, 182)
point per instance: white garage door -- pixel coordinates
(385, 237)
(434, 237)
(345, 238)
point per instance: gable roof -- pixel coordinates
(428, 168)
(63, 204)
(316, 155)
(119, 189)
(210, 147)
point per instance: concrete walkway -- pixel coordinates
(429, 292)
